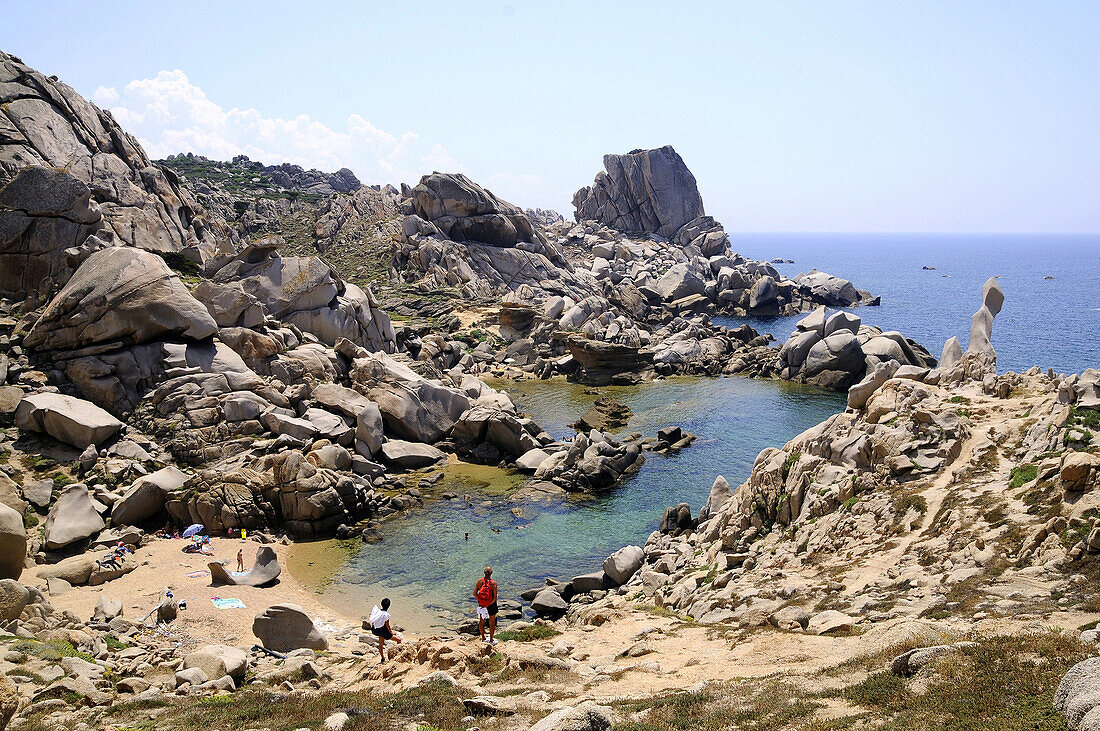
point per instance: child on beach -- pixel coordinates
(380, 627)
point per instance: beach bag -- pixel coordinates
(484, 594)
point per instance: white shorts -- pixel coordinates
(483, 612)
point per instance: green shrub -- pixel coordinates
(1088, 418)
(40, 463)
(903, 503)
(1022, 475)
(879, 689)
(790, 462)
(528, 634)
(113, 644)
(60, 480)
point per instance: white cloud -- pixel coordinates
(169, 115)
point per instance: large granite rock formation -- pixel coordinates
(73, 518)
(287, 627)
(301, 290)
(464, 211)
(66, 419)
(44, 123)
(147, 496)
(459, 234)
(837, 351)
(44, 213)
(644, 191)
(979, 362)
(602, 363)
(981, 325)
(120, 294)
(265, 569)
(412, 407)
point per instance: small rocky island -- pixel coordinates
(268, 356)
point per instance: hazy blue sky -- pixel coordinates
(794, 116)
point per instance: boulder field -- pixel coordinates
(166, 363)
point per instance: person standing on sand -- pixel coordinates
(485, 591)
(240, 559)
(380, 627)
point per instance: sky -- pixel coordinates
(963, 116)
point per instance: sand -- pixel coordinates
(162, 564)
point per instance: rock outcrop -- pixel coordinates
(643, 191)
(837, 351)
(300, 290)
(66, 419)
(147, 496)
(460, 235)
(265, 570)
(979, 362)
(73, 518)
(464, 211)
(1077, 697)
(120, 295)
(47, 124)
(44, 213)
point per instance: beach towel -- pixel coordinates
(197, 574)
(227, 603)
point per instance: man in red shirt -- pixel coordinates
(485, 591)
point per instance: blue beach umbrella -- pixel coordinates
(193, 530)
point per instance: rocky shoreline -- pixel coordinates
(175, 350)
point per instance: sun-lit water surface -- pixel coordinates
(426, 556)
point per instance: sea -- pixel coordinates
(930, 286)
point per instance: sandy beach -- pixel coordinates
(162, 564)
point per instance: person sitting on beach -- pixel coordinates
(485, 591)
(380, 627)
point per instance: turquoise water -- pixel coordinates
(425, 554)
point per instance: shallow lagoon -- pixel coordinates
(426, 560)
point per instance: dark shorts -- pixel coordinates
(492, 609)
(382, 632)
